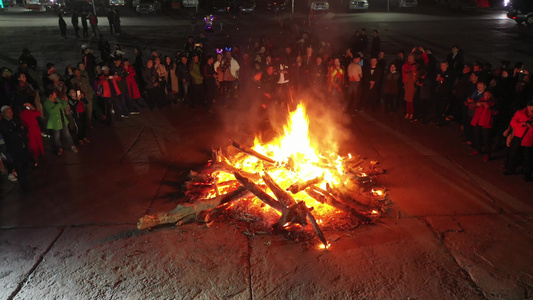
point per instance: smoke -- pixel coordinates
(247, 118)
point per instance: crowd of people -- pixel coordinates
(494, 106)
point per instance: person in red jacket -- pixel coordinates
(482, 122)
(133, 88)
(522, 142)
(28, 118)
(111, 94)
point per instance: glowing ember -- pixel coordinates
(324, 247)
(377, 192)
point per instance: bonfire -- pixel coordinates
(285, 184)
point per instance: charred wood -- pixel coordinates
(258, 192)
(333, 201)
(184, 210)
(252, 152)
(302, 185)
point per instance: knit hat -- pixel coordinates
(4, 108)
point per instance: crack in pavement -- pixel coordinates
(465, 272)
(34, 267)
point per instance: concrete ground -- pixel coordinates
(458, 228)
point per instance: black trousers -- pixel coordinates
(513, 155)
(482, 139)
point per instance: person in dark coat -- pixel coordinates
(105, 49)
(138, 65)
(364, 40)
(14, 134)
(210, 83)
(371, 82)
(28, 59)
(84, 24)
(184, 78)
(62, 26)
(376, 44)
(151, 84)
(111, 19)
(75, 22)
(116, 21)
(455, 60)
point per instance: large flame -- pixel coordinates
(300, 161)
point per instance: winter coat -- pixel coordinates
(149, 77)
(409, 87)
(133, 88)
(56, 113)
(122, 77)
(83, 85)
(173, 80)
(520, 131)
(62, 25)
(35, 140)
(106, 87)
(392, 83)
(196, 75)
(183, 72)
(483, 116)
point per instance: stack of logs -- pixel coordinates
(249, 185)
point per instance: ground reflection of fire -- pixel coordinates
(285, 182)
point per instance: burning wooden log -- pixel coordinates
(291, 211)
(343, 195)
(222, 166)
(258, 192)
(333, 201)
(252, 152)
(291, 215)
(302, 185)
(283, 197)
(317, 229)
(299, 210)
(183, 210)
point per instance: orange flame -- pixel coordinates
(297, 160)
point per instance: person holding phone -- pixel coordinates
(57, 120)
(77, 102)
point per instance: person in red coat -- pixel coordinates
(110, 93)
(482, 122)
(522, 125)
(28, 118)
(133, 88)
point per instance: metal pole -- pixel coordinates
(94, 8)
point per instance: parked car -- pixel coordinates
(276, 5)
(190, 3)
(247, 7)
(148, 7)
(219, 6)
(319, 5)
(79, 6)
(361, 5)
(116, 3)
(403, 3)
(521, 11)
